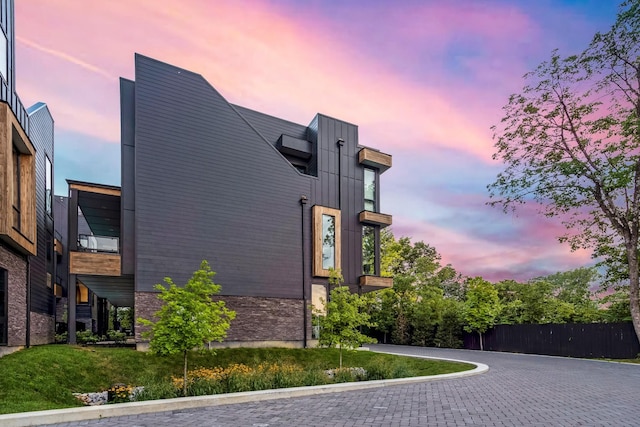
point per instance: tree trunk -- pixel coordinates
(481, 346)
(634, 297)
(184, 378)
(340, 356)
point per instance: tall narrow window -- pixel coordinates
(3, 306)
(48, 196)
(326, 240)
(4, 60)
(16, 187)
(369, 190)
(368, 250)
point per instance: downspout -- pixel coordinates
(28, 328)
(303, 202)
(340, 143)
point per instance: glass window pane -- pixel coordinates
(369, 189)
(48, 183)
(328, 241)
(368, 250)
(3, 56)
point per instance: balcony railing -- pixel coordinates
(92, 243)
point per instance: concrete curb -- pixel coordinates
(66, 415)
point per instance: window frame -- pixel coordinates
(372, 256)
(48, 187)
(318, 238)
(16, 197)
(375, 189)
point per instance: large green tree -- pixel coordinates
(188, 318)
(570, 142)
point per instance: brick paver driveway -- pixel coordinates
(518, 390)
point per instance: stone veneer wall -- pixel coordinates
(16, 267)
(42, 329)
(257, 318)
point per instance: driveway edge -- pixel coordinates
(84, 413)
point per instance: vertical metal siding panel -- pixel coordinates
(127, 199)
(60, 206)
(208, 187)
(41, 135)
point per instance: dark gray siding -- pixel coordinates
(60, 213)
(41, 135)
(127, 204)
(208, 186)
(340, 186)
(272, 127)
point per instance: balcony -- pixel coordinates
(372, 283)
(375, 159)
(374, 218)
(98, 244)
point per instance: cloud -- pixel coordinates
(66, 57)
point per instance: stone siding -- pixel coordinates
(16, 267)
(257, 318)
(42, 329)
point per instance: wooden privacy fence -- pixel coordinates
(606, 340)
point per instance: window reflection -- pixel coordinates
(368, 250)
(328, 241)
(369, 190)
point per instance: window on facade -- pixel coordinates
(369, 190)
(48, 196)
(3, 306)
(4, 56)
(16, 187)
(82, 294)
(326, 240)
(368, 250)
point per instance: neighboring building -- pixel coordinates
(27, 260)
(271, 204)
(92, 312)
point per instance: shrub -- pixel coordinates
(86, 337)
(118, 337)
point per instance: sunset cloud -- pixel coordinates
(423, 80)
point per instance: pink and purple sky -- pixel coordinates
(423, 80)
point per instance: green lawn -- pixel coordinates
(44, 377)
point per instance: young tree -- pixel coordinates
(481, 307)
(571, 142)
(189, 318)
(344, 316)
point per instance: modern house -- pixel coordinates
(271, 204)
(27, 243)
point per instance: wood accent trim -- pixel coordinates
(376, 281)
(57, 246)
(95, 264)
(383, 220)
(95, 189)
(376, 159)
(318, 211)
(26, 237)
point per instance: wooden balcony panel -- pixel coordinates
(96, 264)
(376, 282)
(375, 159)
(57, 246)
(383, 220)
